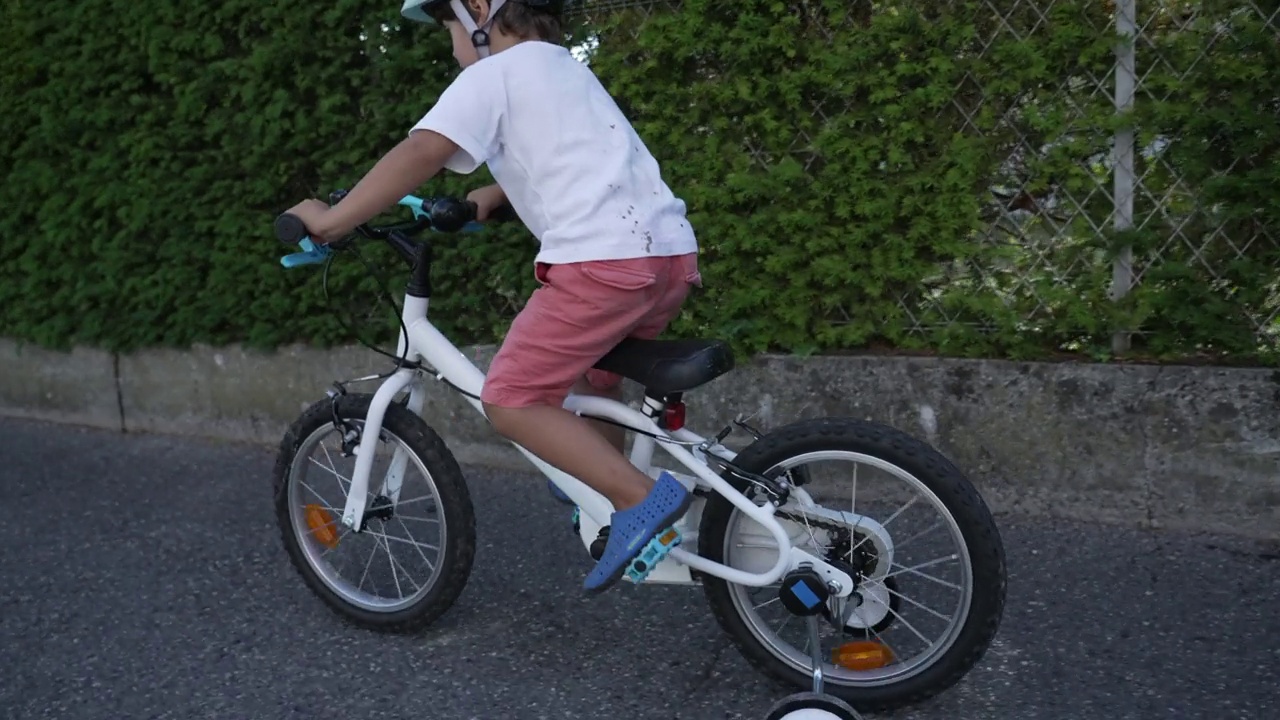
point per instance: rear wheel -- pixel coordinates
(413, 556)
(922, 615)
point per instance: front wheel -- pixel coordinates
(412, 557)
(927, 558)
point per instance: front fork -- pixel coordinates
(353, 514)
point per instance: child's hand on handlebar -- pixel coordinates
(487, 199)
(312, 214)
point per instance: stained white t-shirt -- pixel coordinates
(570, 163)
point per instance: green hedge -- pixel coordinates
(153, 144)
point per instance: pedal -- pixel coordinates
(577, 518)
(652, 554)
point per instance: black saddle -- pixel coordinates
(665, 367)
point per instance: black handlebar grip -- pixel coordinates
(289, 229)
(504, 213)
(448, 215)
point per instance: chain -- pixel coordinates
(811, 521)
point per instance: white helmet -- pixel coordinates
(419, 11)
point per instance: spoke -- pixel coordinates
(418, 519)
(430, 566)
(929, 610)
(385, 536)
(407, 576)
(304, 484)
(420, 498)
(900, 510)
(853, 500)
(915, 570)
(909, 626)
(899, 545)
(786, 620)
(880, 637)
(766, 602)
(328, 524)
(337, 475)
(367, 563)
(885, 524)
(346, 531)
(392, 562)
(812, 538)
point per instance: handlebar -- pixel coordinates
(442, 214)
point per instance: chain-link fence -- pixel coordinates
(1118, 141)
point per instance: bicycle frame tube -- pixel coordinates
(427, 343)
(424, 341)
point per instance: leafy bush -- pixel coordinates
(916, 176)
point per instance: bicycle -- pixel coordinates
(754, 526)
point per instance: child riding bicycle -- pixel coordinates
(617, 255)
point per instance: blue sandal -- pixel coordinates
(558, 494)
(640, 537)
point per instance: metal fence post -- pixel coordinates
(1123, 173)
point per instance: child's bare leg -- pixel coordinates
(615, 434)
(574, 445)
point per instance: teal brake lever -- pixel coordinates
(312, 254)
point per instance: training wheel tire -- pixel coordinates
(812, 706)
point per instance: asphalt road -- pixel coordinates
(142, 577)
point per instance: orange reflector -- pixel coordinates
(321, 523)
(862, 655)
(668, 537)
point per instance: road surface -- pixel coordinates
(143, 578)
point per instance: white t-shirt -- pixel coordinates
(570, 163)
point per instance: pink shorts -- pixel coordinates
(580, 312)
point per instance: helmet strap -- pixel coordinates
(479, 34)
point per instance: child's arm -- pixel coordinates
(487, 199)
(407, 166)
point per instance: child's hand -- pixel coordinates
(487, 199)
(313, 213)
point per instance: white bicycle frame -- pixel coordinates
(421, 341)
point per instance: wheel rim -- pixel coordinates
(375, 546)
(797, 657)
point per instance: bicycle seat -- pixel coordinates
(668, 366)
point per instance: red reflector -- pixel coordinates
(673, 416)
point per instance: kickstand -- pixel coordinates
(815, 653)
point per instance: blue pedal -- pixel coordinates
(652, 554)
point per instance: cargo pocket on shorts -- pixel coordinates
(617, 275)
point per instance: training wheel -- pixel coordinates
(812, 706)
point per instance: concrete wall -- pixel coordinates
(1156, 446)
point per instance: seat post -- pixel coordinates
(657, 407)
(653, 406)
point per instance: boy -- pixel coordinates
(617, 255)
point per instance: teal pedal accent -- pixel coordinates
(633, 531)
(653, 553)
(577, 518)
